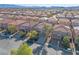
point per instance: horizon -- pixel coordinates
(49, 5)
(45, 5)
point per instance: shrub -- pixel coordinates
(11, 28)
(22, 33)
(33, 34)
(24, 49)
(13, 51)
(65, 42)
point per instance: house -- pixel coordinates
(64, 21)
(28, 25)
(4, 23)
(75, 22)
(24, 26)
(40, 26)
(17, 22)
(60, 31)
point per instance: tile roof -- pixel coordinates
(17, 22)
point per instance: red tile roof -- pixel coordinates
(17, 22)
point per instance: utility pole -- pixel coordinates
(73, 38)
(72, 33)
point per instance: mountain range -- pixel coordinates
(35, 7)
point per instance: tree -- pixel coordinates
(65, 42)
(77, 43)
(49, 15)
(11, 28)
(22, 33)
(33, 34)
(24, 49)
(13, 51)
(77, 40)
(48, 32)
(47, 27)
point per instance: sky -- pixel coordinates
(42, 2)
(49, 5)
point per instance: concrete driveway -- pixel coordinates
(6, 45)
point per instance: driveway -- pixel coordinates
(6, 45)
